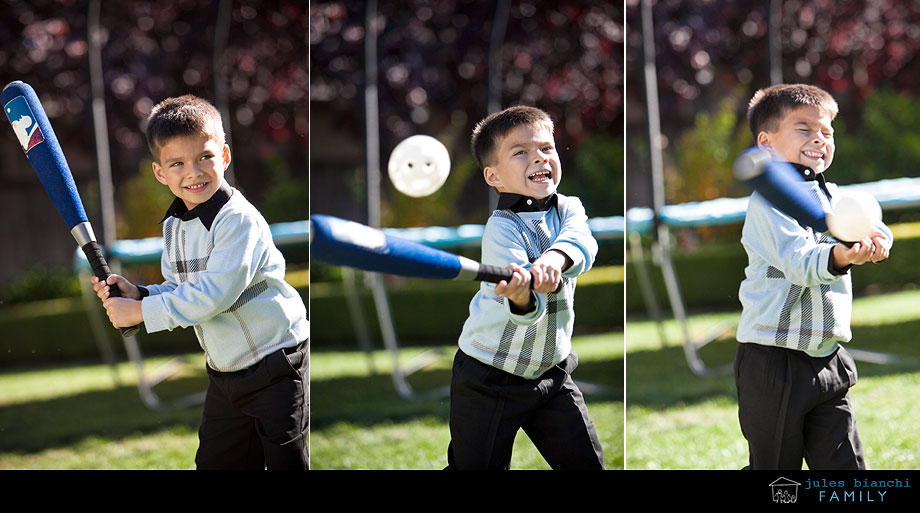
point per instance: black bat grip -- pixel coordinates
(495, 274)
(101, 270)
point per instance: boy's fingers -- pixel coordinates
(537, 276)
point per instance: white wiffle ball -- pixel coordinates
(419, 166)
(854, 215)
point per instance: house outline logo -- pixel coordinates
(784, 491)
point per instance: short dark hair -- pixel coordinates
(180, 117)
(489, 131)
(770, 105)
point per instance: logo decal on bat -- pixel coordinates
(360, 235)
(24, 123)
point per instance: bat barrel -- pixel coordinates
(339, 242)
(36, 137)
(33, 130)
(781, 185)
(751, 164)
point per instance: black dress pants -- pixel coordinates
(258, 417)
(488, 406)
(794, 406)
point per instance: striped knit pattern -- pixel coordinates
(797, 318)
(528, 358)
(188, 268)
(237, 323)
(530, 343)
(790, 298)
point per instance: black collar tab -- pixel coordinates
(521, 203)
(205, 212)
(807, 173)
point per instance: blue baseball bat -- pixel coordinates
(340, 242)
(40, 144)
(777, 182)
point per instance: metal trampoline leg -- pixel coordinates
(98, 326)
(677, 306)
(388, 332)
(645, 285)
(357, 316)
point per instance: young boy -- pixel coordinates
(224, 278)
(513, 368)
(791, 373)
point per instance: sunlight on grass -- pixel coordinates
(76, 417)
(422, 443)
(705, 436)
(374, 429)
(676, 420)
(17, 386)
(165, 450)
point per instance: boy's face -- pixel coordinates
(192, 167)
(804, 136)
(526, 163)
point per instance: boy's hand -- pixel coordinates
(873, 248)
(128, 289)
(882, 248)
(547, 271)
(122, 312)
(517, 290)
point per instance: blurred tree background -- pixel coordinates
(253, 67)
(711, 56)
(565, 57)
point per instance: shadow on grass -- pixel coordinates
(661, 378)
(372, 400)
(112, 414)
(118, 413)
(897, 339)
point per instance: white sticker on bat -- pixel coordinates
(360, 235)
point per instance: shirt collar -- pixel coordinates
(521, 203)
(205, 212)
(809, 175)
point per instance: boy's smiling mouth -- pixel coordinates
(544, 175)
(814, 154)
(197, 187)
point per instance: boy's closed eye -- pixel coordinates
(203, 157)
(547, 149)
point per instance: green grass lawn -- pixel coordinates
(676, 420)
(358, 421)
(75, 417)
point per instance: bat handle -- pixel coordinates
(495, 274)
(101, 270)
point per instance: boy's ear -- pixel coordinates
(158, 173)
(491, 177)
(226, 156)
(763, 140)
